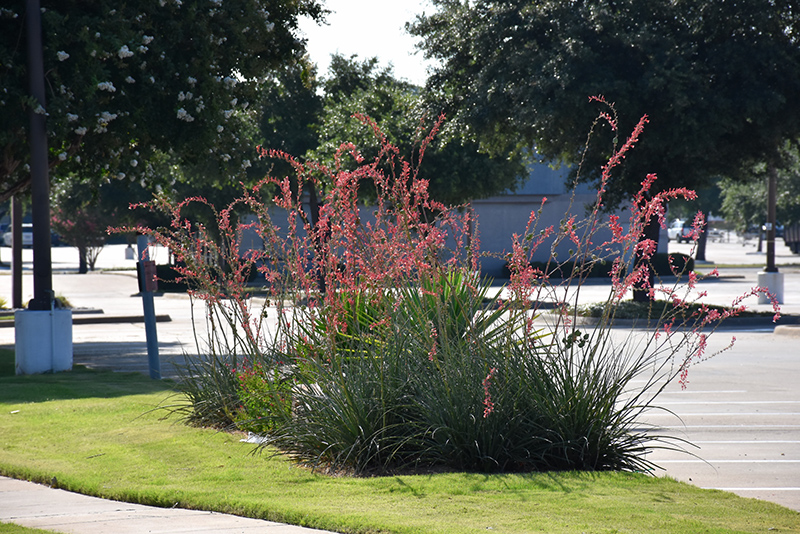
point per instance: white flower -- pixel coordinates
(147, 39)
(62, 56)
(71, 117)
(227, 113)
(97, 35)
(246, 164)
(130, 80)
(181, 96)
(143, 49)
(106, 86)
(184, 115)
(120, 175)
(62, 156)
(80, 131)
(234, 101)
(108, 117)
(270, 26)
(124, 52)
(78, 159)
(229, 82)
(39, 110)
(226, 157)
(152, 80)
(134, 163)
(192, 81)
(220, 128)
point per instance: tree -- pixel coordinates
(82, 212)
(310, 119)
(456, 167)
(128, 81)
(718, 80)
(744, 204)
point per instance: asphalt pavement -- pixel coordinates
(740, 410)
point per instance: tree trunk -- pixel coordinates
(702, 239)
(82, 264)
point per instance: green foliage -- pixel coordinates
(300, 121)
(265, 394)
(209, 388)
(716, 79)
(379, 349)
(744, 204)
(127, 82)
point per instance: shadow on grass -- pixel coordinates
(80, 383)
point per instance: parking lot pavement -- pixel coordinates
(740, 416)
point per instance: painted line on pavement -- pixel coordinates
(729, 402)
(728, 461)
(751, 441)
(687, 427)
(715, 414)
(703, 392)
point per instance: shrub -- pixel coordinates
(378, 349)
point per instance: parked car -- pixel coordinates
(27, 236)
(680, 231)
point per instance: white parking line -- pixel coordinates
(751, 441)
(728, 461)
(715, 414)
(728, 402)
(703, 392)
(686, 427)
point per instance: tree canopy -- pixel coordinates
(718, 80)
(310, 118)
(126, 81)
(744, 204)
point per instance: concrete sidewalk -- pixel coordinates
(36, 506)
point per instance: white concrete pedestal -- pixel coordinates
(43, 341)
(773, 282)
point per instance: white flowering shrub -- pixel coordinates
(99, 118)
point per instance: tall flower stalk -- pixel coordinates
(369, 342)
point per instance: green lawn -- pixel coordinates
(97, 433)
(8, 528)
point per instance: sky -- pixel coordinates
(369, 28)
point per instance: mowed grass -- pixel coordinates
(99, 433)
(10, 528)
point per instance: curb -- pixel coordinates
(9, 323)
(791, 330)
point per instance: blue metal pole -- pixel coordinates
(149, 314)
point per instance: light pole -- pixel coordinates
(40, 181)
(43, 334)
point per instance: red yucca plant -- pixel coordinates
(396, 354)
